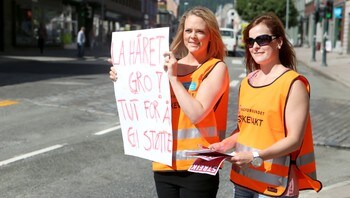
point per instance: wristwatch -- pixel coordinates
(257, 160)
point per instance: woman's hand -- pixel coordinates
(112, 73)
(242, 159)
(170, 64)
(226, 144)
(219, 147)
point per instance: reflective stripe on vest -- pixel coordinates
(194, 133)
(307, 159)
(282, 161)
(260, 174)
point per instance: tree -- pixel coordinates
(252, 8)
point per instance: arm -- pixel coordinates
(211, 89)
(226, 144)
(297, 111)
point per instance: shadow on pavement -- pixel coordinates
(30, 71)
(28, 65)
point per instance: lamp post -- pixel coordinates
(313, 58)
(101, 21)
(324, 41)
(287, 15)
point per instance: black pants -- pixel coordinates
(183, 184)
(80, 50)
(41, 43)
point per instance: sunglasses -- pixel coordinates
(261, 40)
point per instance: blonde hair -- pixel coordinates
(216, 47)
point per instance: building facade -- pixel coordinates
(336, 28)
(62, 19)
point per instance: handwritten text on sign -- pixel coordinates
(142, 93)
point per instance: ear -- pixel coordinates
(280, 43)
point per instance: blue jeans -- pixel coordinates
(242, 192)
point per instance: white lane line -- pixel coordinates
(67, 83)
(108, 130)
(234, 83)
(242, 75)
(237, 61)
(31, 154)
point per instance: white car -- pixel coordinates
(229, 38)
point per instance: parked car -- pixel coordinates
(229, 38)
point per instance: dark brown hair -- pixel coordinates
(286, 53)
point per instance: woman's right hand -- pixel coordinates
(219, 147)
(112, 73)
(226, 144)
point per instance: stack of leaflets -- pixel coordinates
(208, 161)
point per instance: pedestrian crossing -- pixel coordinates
(235, 83)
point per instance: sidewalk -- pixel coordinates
(337, 64)
(337, 69)
(53, 54)
(339, 190)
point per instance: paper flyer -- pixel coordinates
(208, 161)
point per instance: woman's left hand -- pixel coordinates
(242, 158)
(170, 64)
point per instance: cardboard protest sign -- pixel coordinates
(142, 93)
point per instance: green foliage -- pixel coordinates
(252, 8)
(67, 38)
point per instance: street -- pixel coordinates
(60, 134)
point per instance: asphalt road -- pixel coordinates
(60, 137)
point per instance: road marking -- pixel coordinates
(31, 154)
(67, 83)
(237, 61)
(234, 83)
(4, 103)
(242, 75)
(41, 58)
(108, 130)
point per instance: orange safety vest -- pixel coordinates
(188, 136)
(261, 121)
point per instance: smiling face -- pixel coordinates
(267, 54)
(196, 35)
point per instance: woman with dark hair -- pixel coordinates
(273, 140)
(199, 84)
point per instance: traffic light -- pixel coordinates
(329, 9)
(317, 16)
(320, 13)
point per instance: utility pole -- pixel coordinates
(287, 15)
(101, 21)
(324, 39)
(316, 16)
(328, 14)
